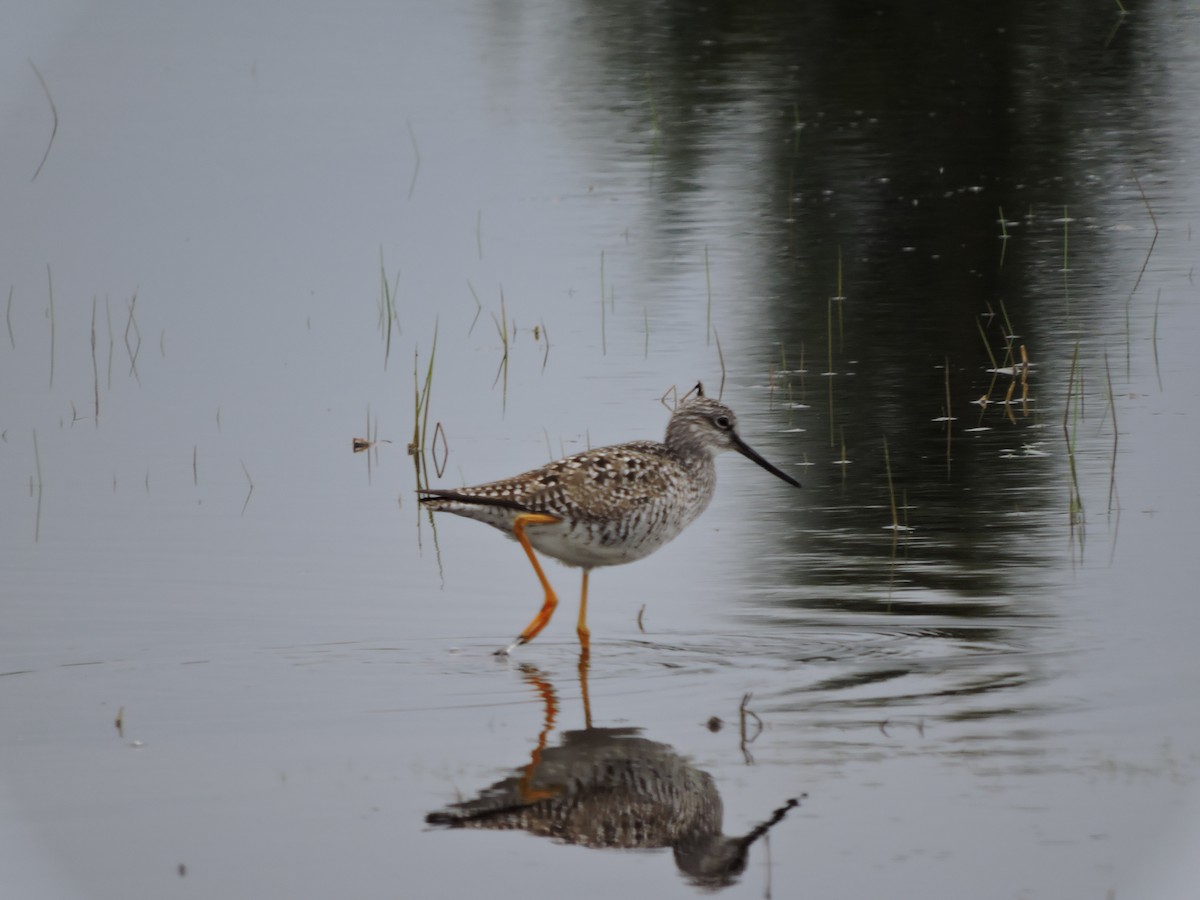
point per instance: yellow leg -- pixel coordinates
(581, 629)
(551, 601)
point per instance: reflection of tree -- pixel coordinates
(868, 151)
(611, 788)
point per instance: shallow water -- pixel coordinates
(995, 698)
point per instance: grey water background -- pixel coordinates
(996, 700)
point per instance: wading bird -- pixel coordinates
(607, 506)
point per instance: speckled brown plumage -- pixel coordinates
(612, 505)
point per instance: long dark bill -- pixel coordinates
(747, 451)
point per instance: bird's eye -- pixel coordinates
(721, 422)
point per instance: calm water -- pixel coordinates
(966, 647)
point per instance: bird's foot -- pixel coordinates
(505, 651)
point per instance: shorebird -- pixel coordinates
(608, 506)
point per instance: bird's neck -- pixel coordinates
(685, 446)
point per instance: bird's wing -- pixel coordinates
(597, 483)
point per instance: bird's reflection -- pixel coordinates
(610, 787)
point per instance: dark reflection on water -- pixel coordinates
(884, 149)
(612, 788)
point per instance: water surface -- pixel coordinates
(965, 647)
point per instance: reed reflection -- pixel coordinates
(612, 788)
